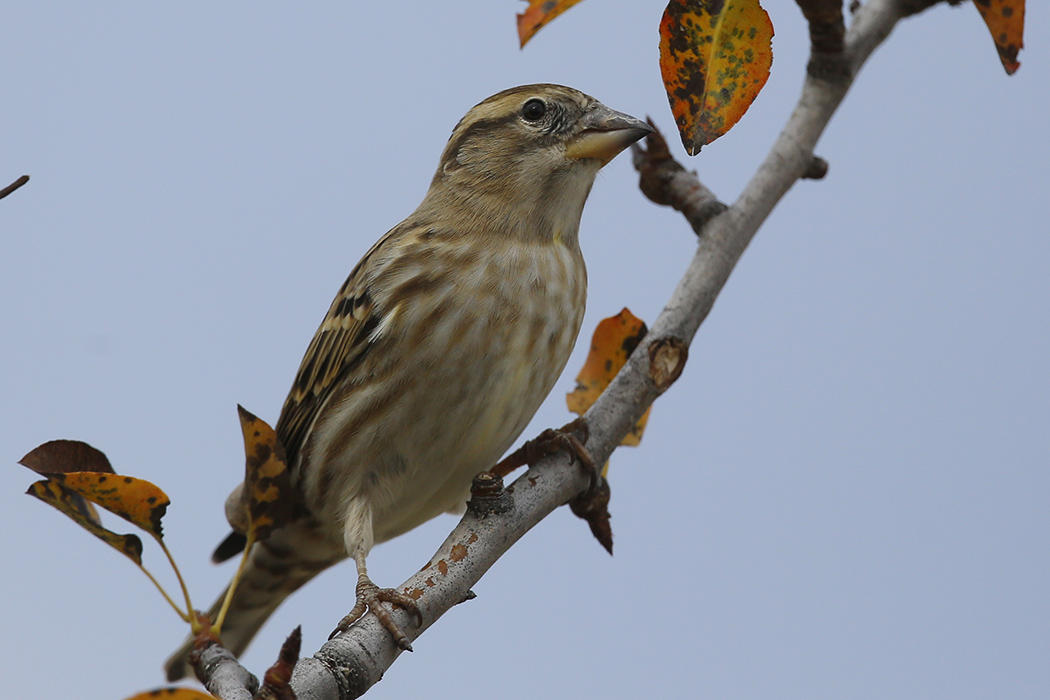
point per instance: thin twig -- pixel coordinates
(14, 186)
(189, 615)
(221, 617)
(664, 181)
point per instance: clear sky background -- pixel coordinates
(845, 495)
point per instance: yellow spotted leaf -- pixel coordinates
(538, 14)
(614, 340)
(136, 500)
(172, 694)
(715, 57)
(1005, 20)
(73, 505)
(268, 485)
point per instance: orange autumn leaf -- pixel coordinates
(1005, 20)
(267, 483)
(614, 340)
(715, 57)
(136, 500)
(538, 14)
(72, 504)
(172, 694)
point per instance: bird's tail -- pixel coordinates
(276, 568)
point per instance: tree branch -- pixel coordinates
(827, 30)
(664, 181)
(14, 186)
(223, 675)
(345, 667)
(348, 665)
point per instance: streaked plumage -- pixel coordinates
(441, 344)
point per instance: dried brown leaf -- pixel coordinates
(59, 456)
(173, 693)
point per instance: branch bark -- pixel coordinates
(348, 665)
(223, 675)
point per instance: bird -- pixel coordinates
(437, 351)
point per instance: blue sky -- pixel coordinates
(844, 496)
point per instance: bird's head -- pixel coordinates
(534, 146)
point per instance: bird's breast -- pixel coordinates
(459, 368)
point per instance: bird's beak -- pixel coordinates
(605, 133)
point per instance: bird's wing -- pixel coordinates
(338, 346)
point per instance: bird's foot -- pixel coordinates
(593, 504)
(370, 598)
(571, 437)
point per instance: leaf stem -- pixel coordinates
(216, 627)
(185, 616)
(189, 616)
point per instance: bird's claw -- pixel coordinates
(592, 504)
(548, 442)
(370, 598)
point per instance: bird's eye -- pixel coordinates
(534, 110)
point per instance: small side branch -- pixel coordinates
(664, 181)
(827, 38)
(14, 186)
(827, 31)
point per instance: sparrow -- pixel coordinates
(437, 350)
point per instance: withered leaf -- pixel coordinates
(136, 500)
(267, 492)
(173, 693)
(71, 503)
(1005, 20)
(614, 340)
(538, 15)
(59, 456)
(276, 680)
